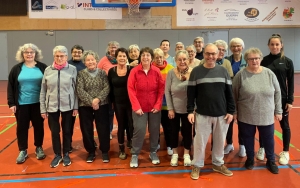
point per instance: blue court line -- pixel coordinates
(125, 174)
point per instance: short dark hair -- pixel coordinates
(165, 40)
(148, 50)
(121, 49)
(78, 47)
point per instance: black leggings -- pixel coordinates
(124, 117)
(230, 133)
(186, 130)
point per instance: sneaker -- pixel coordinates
(158, 147)
(66, 160)
(55, 162)
(134, 161)
(195, 172)
(105, 157)
(249, 164)
(284, 158)
(129, 144)
(187, 160)
(174, 160)
(71, 149)
(153, 156)
(170, 151)
(90, 158)
(122, 154)
(110, 136)
(39, 153)
(222, 169)
(242, 151)
(272, 167)
(228, 148)
(260, 155)
(22, 157)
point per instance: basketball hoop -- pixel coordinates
(133, 6)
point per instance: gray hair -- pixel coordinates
(201, 38)
(22, 49)
(252, 50)
(133, 46)
(179, 52)
(221, 43)
(61, 49)
(179, 43)
(238, 41)
(110, 43)
(191, 46)
(90, 52)
(211, 44)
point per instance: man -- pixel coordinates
(210, 85)
(179, 46)
(165, 47)
(199, 43)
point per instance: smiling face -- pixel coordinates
(29, 55)
(210, 54)
(121, 58)
(198, 43)
(222, 52)
(76, 54)
(165, 46)
(179, 47)
(236, 48)
(158, 59)
(146, 58)
(192, 53)
(182, 61)
(60, 58)
(90, 62)
(253, 61)
(275, 46)
(134, 54)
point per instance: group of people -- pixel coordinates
(199, 93)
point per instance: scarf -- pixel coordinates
(111, 59)
(161, 67)
(220, 62)
(59, 67)
(182, 73)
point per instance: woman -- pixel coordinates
(176, 95)
(23, 92)
(134, 54)
(256, 91)
(237, 63)
(92, 90)
(283, 68)
(164, 68)
(192, 61)
(145, 89)
(57, 99)
(118, 77)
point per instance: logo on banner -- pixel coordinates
(243, 2)
(89, 7)
(251, 14)
(288, 12)
(271, 15)
(37, 5)
(51, 5)
(262, 1)
(226, 1)
(189, 2)
(66, 7)
(208, 1)
(231, 14)
(211, 14)
(190, 12)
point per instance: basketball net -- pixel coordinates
(133, 6)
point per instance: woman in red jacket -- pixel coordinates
(145, 90)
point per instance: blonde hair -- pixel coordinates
(158, 51)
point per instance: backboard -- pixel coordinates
(144, 4)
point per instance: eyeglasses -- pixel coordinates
(190, 51)
(209, 54)
(199, 42)
(253, 59)
(60, 56)
(29, 53)
(236, 46)
(222, 50)
(77, 52)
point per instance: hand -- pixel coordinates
(44, 116)
(96, 107)
(154, 111)
(95, 101)
(229, 118)
(191, 118)
(13, 109)
(75, 112)
(288, 107)
(139, 112)
(134, 63)
(278, 117)
(235, 118)
(171, 114)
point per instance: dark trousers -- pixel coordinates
(165, 122)
(111, 116)
(186, 131)
(124, 118)
(72, 127)
(285, 126)
(87, 115)
(230, 133)
(24, 114)
(265, 132)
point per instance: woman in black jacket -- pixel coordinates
(23, 92)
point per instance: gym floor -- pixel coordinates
(116, 173)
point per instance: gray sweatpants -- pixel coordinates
(139, 131)
(203, 127)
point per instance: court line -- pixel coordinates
(123, 174)
(8, 127)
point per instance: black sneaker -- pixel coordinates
(91, 157)
(22, 157)
(39, 153)
(272, 167)
(105, 157)
(66, 160)
(55, 162)
(249, 164)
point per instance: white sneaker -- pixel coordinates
(242, 152)
(260, 155)
(187, 160)
(284, 158)
(174, 160)
(228, 148)
(134, 161)
(170, 151)
(110, 136)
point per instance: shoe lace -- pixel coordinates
(195, 169)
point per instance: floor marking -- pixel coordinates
(279, 135)
(7, 116)
(8, 127)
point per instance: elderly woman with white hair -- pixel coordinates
(23, 93)
(134, 54)
(192, 61)
(179, 46)
(199, 43)
(57, 100)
